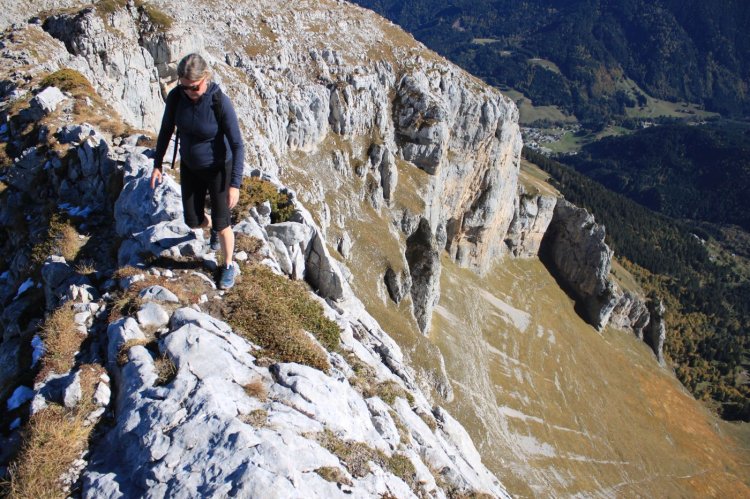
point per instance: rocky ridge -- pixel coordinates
(360, 121)
(283, 438)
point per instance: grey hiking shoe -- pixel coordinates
(214, 241)
(228, 274)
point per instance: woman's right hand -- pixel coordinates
(155, 178)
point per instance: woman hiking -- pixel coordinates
(211, 155)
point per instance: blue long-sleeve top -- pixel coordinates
(203, 143)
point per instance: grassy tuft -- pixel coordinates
(61, 341)
(333, 474)
(68, 80)
(257, 418)
(364, 378)
(166, 370)
(429, 420)
(354, 455)
(126, 305)
(256, 389)
(127, 271)
(389, 391)
(61, 239)
(249, 244)
(122, 353)
(86, 267)
(255, 191)
(275, 312)
(88, 106)
(160, 20)
(403, 431)
(108, 7)
(402, 467)
(52, 439)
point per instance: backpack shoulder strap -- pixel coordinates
(217, 104)
(175, 96)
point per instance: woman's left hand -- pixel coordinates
(233, 196)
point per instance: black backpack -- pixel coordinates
(216, 104)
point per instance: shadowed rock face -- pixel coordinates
(656, 330)
(575, 247)
(424, 266)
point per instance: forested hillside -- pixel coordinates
(707, 303)
(687, 50)
(686, 172)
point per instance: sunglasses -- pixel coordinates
(191, 88)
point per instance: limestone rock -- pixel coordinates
(138, 206)
(631, 312)
(424, 267)
(46, 101)
(398, 284)
(114, 61)
(531, 219)
(575, 247)
(159, 293)
(656, 332)
(152, 315)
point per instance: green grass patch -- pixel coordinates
(333, 474)
(255, 191)
(275, 312)
(160, 20)
(356, 456)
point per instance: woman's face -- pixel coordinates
(193, 88)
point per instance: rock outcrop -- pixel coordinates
(531, 218)
(423, 258)
(575, 248)
(655, 334)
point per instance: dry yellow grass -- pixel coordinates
(61, 341)
(53, 438)
(61, 239)
(122, 354)
(274, 312)
(257, 418)
(166, 370)
(333, 474)
(256, 389)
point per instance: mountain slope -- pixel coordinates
(404, 162)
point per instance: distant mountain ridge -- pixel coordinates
(674, 50)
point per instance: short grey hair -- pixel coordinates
(193, 67)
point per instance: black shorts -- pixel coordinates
(195, 184)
